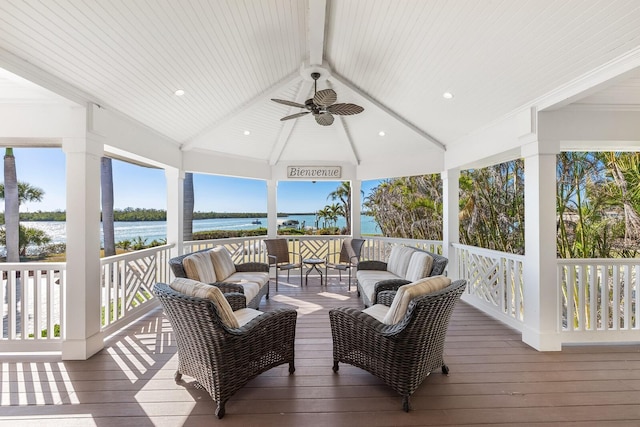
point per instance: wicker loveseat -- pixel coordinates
(405, 265)
(215, 266)
(401, 354)
(223, 357)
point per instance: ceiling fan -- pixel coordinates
(322, 105)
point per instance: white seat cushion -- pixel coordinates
(367, 280)
(377, 311)
(406, 293)
(399, 260)
(198, 266)
(420, 266)
(245, 315)
(197, 289)
(222, 263)
(259, 277)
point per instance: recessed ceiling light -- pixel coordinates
(247, 132)
(179, 92)
(447, 95)
(381, 133)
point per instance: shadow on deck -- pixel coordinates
(494, 379)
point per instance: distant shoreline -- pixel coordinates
(138, 214)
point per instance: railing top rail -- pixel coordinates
(489, 252)
(32, 265)
(591, 261)
(135, 254)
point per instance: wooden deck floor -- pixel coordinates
(494, 380)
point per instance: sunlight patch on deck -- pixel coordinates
(334, 296)
(303, 307)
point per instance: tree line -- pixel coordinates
(597, 204)
(141, 214)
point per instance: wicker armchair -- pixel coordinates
(278, 255)
(349, 257)
(223, 359)
(401, 355)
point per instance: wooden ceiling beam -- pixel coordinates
(315, 32)
(389, 111)
(255, 102)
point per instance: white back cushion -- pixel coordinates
(406, 293)
(399, 260)
(420, 266)
(197, 289)
(222, 262)
(198, 266)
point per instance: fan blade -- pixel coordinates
(325, 97)
(295, 116)
(345, 109)
(289, 103)
(324, 119)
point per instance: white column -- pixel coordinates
(451, 223)
(175, 209)
(356, 203)
(272, 208)
(541, 293)
(83, 335)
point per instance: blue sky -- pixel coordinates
(140, 187)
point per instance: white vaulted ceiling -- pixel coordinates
(394, 58)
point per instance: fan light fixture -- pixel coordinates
(322, 105)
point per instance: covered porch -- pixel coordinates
(510, 345)
(494, 379)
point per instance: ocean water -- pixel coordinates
(157, 230)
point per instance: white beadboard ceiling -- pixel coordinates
(395, 58)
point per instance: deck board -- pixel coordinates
(495, 379)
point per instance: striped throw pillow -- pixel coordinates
(198, 266)
(222, 263)
(420, 266)
(406, 293)
(197, 289)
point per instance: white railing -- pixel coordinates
(127, 281)
(379, 248)
(599, 300)
(495, 282)
(242, 249)
(252, 249)
(33, 306)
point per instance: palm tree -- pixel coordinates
(11, 207)
(189, 201)
(335, 211)
(324, 215)
(28, 237)
(13, 194)
(106, 185)
(343, 193)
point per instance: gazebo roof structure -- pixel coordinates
(396, 59)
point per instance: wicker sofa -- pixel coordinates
(214, 266)
(221, 343)
(404, 353)
(405, 265)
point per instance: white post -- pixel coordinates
(175, 209)
(83, 335)
(272, 208)
(356, 203)
(451, 223)
(541, 293)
